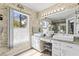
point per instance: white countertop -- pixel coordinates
(58, 36)
(46, 39)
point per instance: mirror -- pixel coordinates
(60, 23)
(44, 24)
(19, 29)
(70, 27)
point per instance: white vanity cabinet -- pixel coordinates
(69, 49)
(56, 48)
(64, 49)
(33, 42)
(36, 43)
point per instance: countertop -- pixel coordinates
(72, 42)
(49, 39)
(46, 39)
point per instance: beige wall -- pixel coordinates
(34, 17)
(4, 36)
(4, 10)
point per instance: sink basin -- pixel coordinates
(46, 39)
(64, 37)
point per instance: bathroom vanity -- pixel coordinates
(64, 48)
(37, 43)
(62, 32)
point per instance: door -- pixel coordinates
(19, 29)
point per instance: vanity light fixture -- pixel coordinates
(51, 11)
(54, 10)
(62, 8)
(41, 15)
(58, 9)
(46, 14)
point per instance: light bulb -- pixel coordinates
(48, 13)
(58, 9)
(51, 11)
(62, 8)
(42, 15)
(54, 10)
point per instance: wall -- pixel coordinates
(3, 35)
(4, 9)
(34, 17)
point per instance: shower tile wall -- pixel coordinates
(4, 10)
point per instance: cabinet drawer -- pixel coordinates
(56, 43)
(69, 49)
(56, 52)
(71, 46)
(56, 48)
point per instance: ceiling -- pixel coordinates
(38, 6)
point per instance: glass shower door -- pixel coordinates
(19, 29)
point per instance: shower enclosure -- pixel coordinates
(18, 29)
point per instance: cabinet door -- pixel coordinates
(69, 49)
(33, 42)
(66, 49)
(67, 52)
(38, 44)
(56, 52)
(56, 48)
(75, 49)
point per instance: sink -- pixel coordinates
(65, 37)
(46, 39)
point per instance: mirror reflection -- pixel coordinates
(61, 22)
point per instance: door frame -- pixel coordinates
(10, 28)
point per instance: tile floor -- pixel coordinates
(31, 52)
